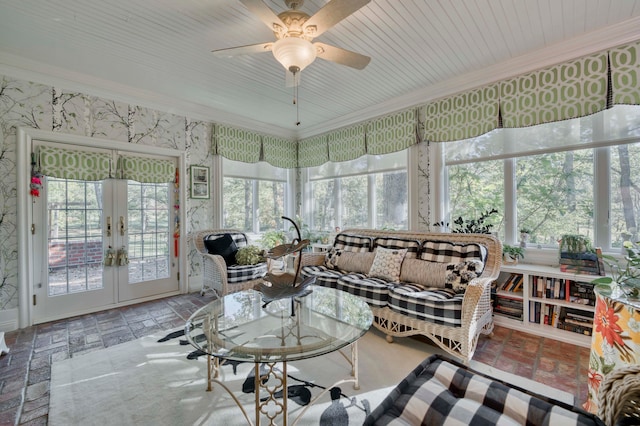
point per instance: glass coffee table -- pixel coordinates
(243, 327)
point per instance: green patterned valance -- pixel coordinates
(146, 170)
(392, 133)
(71, 164)
(569, 90)
(238, 144)
(625, 74)
(463, 116)
(347, 143)
(313, 151)
(280, 152)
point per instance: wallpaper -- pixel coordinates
(49, 108)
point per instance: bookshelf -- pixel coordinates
(545, 301)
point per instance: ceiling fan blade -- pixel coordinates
(264, 12)
(342, 56)
(332, 13)
(243, 50)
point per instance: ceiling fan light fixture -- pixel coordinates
(294, 53)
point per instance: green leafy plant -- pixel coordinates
(513, 251)
(574, 243)
(625, 273)
(472, 226)
(249, 255)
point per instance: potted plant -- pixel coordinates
(575, 243)
(511, 254)
(625, 274)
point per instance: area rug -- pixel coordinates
(150, 382)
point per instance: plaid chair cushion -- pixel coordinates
(374, 291)
(436, 305)
(412, 246)
(241, 273)
(442, 391)
(445, 252)
(349, 242)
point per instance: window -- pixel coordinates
(369, 192)
(576, 176)
(255, 196)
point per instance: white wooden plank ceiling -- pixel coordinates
(158, 53)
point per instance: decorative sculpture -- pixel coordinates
(287, 284)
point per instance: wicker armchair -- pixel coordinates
(217, 275)
(619, 397)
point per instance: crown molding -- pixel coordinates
(593, 42)
(26, 69)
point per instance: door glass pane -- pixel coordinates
(74, 237)
(149, 231)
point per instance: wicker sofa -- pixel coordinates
(410, 306)
(216, 274)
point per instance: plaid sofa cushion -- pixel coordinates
(239, 238)
(445, 252)
(241, 273)
(436, 305)
(412, 246)
(441, 391)
(374, 291)
(324, 276)
(356, 243)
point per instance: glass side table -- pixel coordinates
(242, 327)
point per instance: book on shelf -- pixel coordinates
(534, 312)
(576, 321)
(513, 284)
(581, 293)
(582, 263)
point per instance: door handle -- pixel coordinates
(122, 228)
(108, 226)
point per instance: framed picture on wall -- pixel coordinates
(200, 182)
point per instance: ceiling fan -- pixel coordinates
(294, 30)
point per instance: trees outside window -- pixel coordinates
(254, 197)
(369, 192)
(560, 178)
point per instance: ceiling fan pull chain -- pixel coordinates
(295, 99)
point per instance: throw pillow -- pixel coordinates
(355, 262)
(428, 274)
(331, 258)
(460, 274)
(223, 246)
(387, 263)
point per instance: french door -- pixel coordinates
(101, 243)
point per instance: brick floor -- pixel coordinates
(25, 372)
